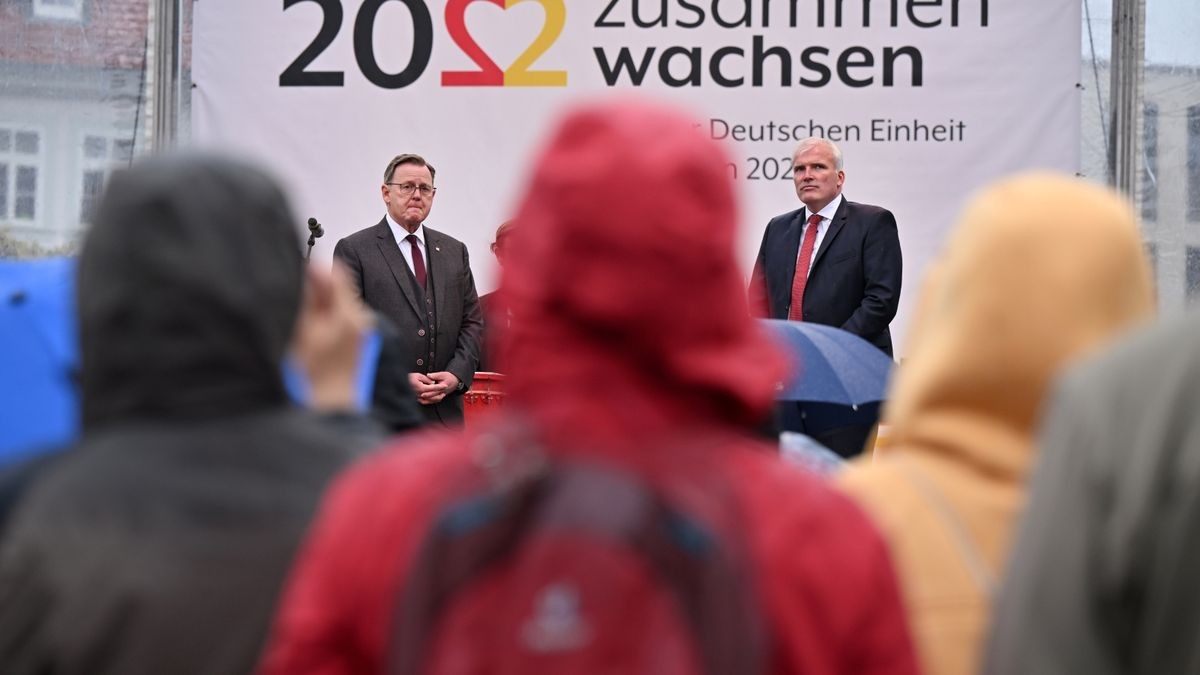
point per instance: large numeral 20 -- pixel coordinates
(296, 75)
(489, 74)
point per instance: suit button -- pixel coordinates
(429, 301)
(431, 355)
(421, 332)
(420, 362)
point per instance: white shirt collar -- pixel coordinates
(828, 212)
(399, 233)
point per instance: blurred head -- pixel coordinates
(499, 246)
(623, 275)
(1041, 270)
(817, 172)
(188, 287)
(408, 190)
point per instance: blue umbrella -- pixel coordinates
(39, 355)
(830, 365)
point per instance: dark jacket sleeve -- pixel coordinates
(466, 351)
(757, 298)
(883, 268)
(344, 253)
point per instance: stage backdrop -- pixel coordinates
(929, 99)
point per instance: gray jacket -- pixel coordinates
(1104, 577)
(160, 541)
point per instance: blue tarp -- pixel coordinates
(39, 357)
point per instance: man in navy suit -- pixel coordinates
(833, 262)
(420, 280)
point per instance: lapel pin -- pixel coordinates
(437, 248)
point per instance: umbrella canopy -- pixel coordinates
(39, 355)
(830, 365)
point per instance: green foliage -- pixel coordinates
(11, 247)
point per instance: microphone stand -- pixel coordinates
(314, 232)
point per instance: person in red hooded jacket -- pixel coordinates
(631, 346)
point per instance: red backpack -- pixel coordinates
(560, 565)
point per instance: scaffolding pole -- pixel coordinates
(1125, 125)
(167, 27)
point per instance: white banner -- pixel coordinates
(929, 99)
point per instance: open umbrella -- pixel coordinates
(39, 355)
(830, 365)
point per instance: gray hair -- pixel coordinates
(813, 141)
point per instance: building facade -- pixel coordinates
(72, 101)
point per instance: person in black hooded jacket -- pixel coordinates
(159, 543)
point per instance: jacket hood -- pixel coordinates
(188, 287)
(629, 311)
(1041, 270)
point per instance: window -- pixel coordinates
(25, 201)
(1193, 163)
(20, 159)
(93, 185)
(1150, 162)
(58, 9)
(100, 155)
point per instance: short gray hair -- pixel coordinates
(813, 141)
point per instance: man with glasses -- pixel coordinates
(420, 280)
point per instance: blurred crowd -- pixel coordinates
(627, 509)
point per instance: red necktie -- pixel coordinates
(800, 280)
(418, 260)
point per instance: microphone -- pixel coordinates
(314, 230)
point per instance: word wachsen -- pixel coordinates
(756, 62)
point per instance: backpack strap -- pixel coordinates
(969, 552)
(473, 533)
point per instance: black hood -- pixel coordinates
(188, 287)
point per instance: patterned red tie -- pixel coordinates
(418, 260)
(800, 279)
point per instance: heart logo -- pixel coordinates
(520, 47)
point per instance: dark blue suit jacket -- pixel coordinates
(855, 279)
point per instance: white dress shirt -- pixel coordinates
(826, 214)
(405, 248)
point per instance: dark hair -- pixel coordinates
(503, 231)
(407, 158)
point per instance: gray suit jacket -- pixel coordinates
(447, 340)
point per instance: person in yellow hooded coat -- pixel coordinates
(1042, 269)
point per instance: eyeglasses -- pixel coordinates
(406, 189)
